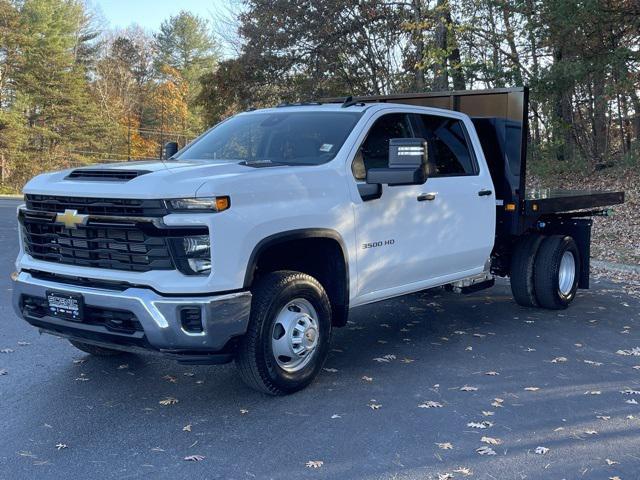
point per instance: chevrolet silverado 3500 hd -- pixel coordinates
(254, 241)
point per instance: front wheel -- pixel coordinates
(289, 333)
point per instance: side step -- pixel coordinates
(476, 287)
(473, 284)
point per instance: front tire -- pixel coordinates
(556, 272)
(289, 333)
(95, 350)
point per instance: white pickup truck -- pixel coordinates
(256, 239)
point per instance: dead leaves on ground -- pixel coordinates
(481, 425)
(485, 450)
(194, 458)
(491, 441)
(430, 404)
(314, 464)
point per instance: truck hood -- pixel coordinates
(149, 179)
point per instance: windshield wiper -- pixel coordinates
(263, 163)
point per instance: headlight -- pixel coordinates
(193, 254)
(209, 204)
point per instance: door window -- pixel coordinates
(374, 152)
(449, 152)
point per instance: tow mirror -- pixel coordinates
(170, 149)
(407, 163)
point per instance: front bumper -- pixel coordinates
(223, 318)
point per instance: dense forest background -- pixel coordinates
(73, 91)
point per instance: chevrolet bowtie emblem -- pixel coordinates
(71, 219)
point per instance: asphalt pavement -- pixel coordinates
(433, 385)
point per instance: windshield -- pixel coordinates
(291, 138)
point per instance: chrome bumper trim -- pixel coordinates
(224, 316)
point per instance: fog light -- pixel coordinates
(199, 265)
(199, 245)
(191, 319)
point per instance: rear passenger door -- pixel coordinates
(462, 238)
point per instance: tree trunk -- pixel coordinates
(599, 119)
(440, 77)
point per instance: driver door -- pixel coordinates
(389, 229)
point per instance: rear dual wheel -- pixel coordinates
(545, 271)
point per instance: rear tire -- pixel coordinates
(556, 272)
(95, 350)
(522, 265)
(289, 333)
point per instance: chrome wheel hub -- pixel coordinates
(566, 273)
(295, 335)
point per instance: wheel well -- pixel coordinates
(321, 257)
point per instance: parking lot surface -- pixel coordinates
(433, 385)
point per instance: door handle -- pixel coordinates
(426, 196)
(484, 193)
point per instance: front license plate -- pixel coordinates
(65, 305)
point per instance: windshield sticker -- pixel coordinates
(326, 147)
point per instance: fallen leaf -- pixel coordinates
(330, 370)
(464, 471)
(541, 450)
(467, 388)
(485, 450)
(374, 406)
(559, 360)
(380, 360)
(3, 372)
(389, 357)
(491, 440)
(615, 478)
(6, 350)
(482, 425)
(628, 391)
(603, 417)
(532, 389)
(469, 348)
(593, 392)
(632, 401)
(407, 360)
(492, 373)
(79, 361)
(23, 344)
(610, 462)
(487, 413)
(430, 404)
(168, 401)
(194, 458)
(61, 446)
(445, 446)
(591, 432)
(186, 428)
(445, 476)
(335, 415)
(188, 374)
(635, 351)
(314, 463)
(170, 379)
(367, 379)
(591, 362)
(243, 411)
